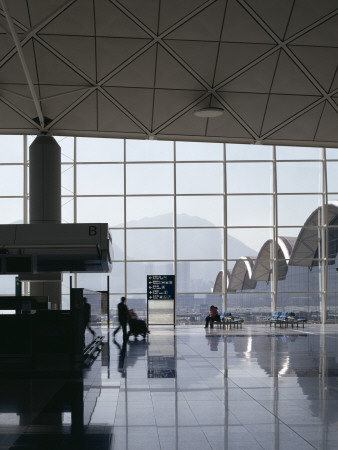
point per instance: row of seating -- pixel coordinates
(285, 318)
(227, 320)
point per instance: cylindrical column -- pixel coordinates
(45, 199)
(45, 180)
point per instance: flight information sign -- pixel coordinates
(161, 287)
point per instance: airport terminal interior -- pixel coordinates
(183, 155)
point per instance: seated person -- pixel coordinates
(212, 316)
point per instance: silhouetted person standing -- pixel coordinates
(123, 318)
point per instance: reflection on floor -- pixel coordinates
(255, 388)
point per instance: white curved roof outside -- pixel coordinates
(263, 267)
(139, 69)
(241, 275)
(307, 247)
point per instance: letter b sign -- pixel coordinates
(92, 230)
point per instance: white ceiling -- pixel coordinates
(139, 69)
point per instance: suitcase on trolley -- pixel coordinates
(138, 327)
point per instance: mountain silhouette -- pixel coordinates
(205, 243)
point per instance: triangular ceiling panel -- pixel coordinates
(320, 61)
(110, 118)
(144, 11)
(289, 79)
(201, 56)
(240, 26)
(172, 11)
(52, 70)
(56, 99)
(12, 71)
(40, 11)
(6, 44)
(80, 51)
(300, 129)
(23, 102)
(172, 75)
(305, 13)
(256, 79)
(174, 102)
(324, 34)
(226, 123)
(18, 11)
(111, 21)
(9, 116)
(251, 107)
(275, 13)
(112, 52)
(77, 19)
(281, 107)
(328, 129)
(335, 83)
(206, 25)
(184, 126)
(83, 116)
(139, 101)
(233, 57)
(138, 73)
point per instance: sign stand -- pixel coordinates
(161, 288)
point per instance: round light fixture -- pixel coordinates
(209, 112)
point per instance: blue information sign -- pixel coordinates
(161, 287)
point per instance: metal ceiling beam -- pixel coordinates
(23, 63)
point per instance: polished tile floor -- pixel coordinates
(189, 388)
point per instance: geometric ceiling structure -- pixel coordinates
(140, 69)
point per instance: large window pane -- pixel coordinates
(244, 152)
(299, 177)
(199, 178)
(249, 178)
(67, 209)
(332, 153)
(298, 153)
(150, 211)
(150, 179)
(197, 276)
(118, 244)
(11, 149)
(303, 304)
(11, 180)
(295, 209)
(332, 178)
(67, 148)
(138, 303)
(99, 150)
(198, 151)
(100, 179)
(150, 244)
(247, 241)
(200, 244)
(199, 211)
(138, 271)
(140, 150)
(302, 275)
(252, 307)
(101, 209)
(193, 308)
(11, 210)
(67, 179)
(256, 210)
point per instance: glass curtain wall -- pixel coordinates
(247, 228)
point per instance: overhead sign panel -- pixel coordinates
(161, 287)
